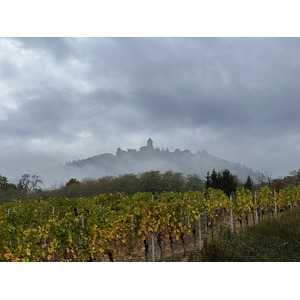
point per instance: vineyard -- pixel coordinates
(117, 227)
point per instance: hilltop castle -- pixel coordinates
(150, 158)
(144, 149)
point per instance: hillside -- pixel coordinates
(149, 158)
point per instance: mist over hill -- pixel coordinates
(145, 159)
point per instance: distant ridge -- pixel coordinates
(149, 158)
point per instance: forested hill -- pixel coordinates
(149, 158)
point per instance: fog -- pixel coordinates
(141, 160)
(64, 99)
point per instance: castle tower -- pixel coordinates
(150, 144)
(148, 147)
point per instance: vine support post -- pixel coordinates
(200, 241)
(231, 215)
(10, 243)
(205, 220)
(256, 213)
(52, 210)
(275, 204)
(82, 220)
(153, 259)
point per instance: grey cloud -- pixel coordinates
(58, 48)
(117, 91)
(40, 113)
(8, 69)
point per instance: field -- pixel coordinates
(116, 227)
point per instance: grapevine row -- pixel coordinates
(114, 226)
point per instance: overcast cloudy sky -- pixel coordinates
(71, 98)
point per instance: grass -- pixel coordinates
(272, 240)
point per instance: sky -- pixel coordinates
(63, 99)
(71, 98)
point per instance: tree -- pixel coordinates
(127, 183)
(72, 181)
(248, 183)
(228, 182)
(207, 180)
(172, 181)
(296, 177)
(34, 184)
(3, 182)
(107, 184)
(194, 183)
(264, 178)
(24, 182)
(222, 180)
(30, 184)
(151, 181)
(214, 179)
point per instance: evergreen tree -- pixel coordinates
(248, 183)
(214, 179)
(207, 180)
(222, 180)
(228, 182)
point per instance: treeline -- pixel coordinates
(31, 186)
(151, 181)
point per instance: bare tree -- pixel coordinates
(264, 178)
(24, 182)
(30, 184)
(34, 184)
